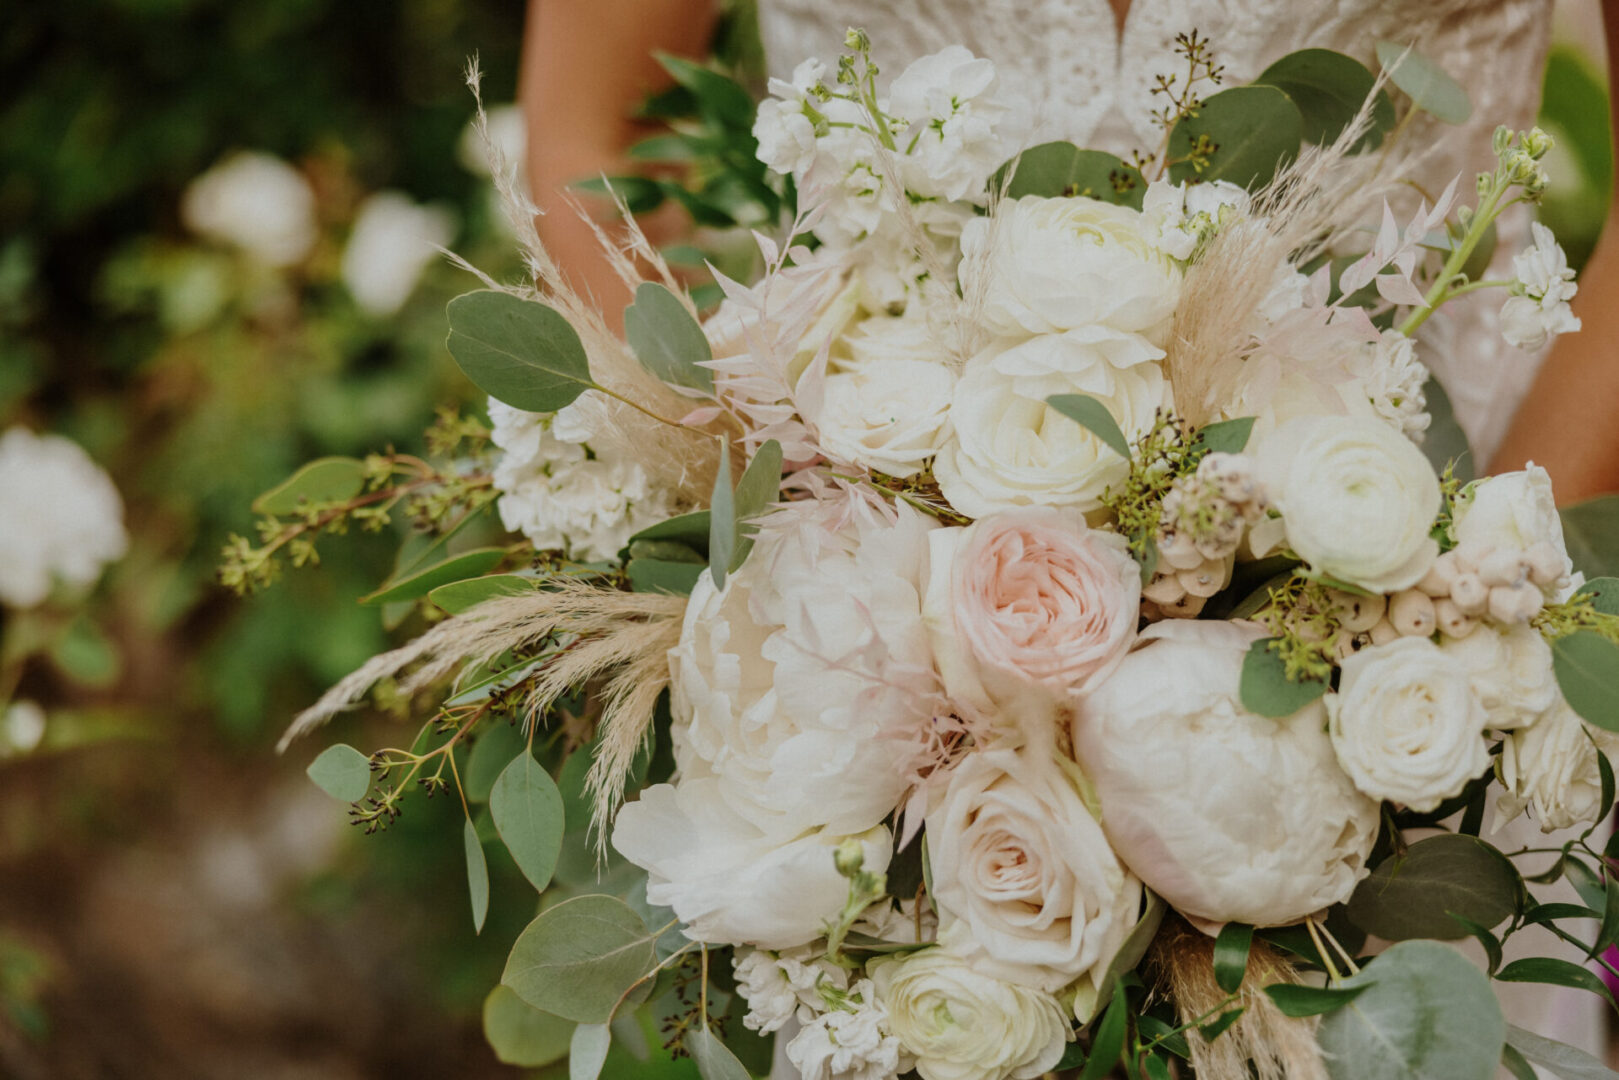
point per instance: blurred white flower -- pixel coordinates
(1538, 308)
(256, 202)
(1515, 511)
(60, 517)
(507, 132)
(22, 728)
(884, 405)
(392, 240)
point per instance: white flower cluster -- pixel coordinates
(1538, 308)
(61, 519)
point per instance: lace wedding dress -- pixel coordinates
(1091, 81)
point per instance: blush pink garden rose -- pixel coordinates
(1028, 603)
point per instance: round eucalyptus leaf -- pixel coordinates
(518, 351)
(579, 958)
(1249, 133)
(1265, 688)
(527, 808)
(1329, 89)
(1587, 669)
(327, 479)
(1410, 895)
(1429, 87)
(521, 1035)
(341, 772)
(1057, 169)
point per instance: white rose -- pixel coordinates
(1511, 673)
(1550, 768)
(1019, 861)
(1405, 723)
(885, 407)
(1006, 447)
(849, 1043)
(1180, 218)
(1514, 510)
(1042, 266)
(1227, 815)
(1358, 500)
(961, 1024)
(61, 519)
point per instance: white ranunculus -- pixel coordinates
(1227, 815)
(256, 202)
(962, 1024)
(960, 128)
(1550, 769)
(1538, 310)
(1021, 863)
(885, 405)
(1042, 266)
(1007, 448)
(1511, 673)
(849, 1043)
(1181, 218)
(1358, 500)
(392, 241)
(60, 517)
(1513, 510)
(1406, 725)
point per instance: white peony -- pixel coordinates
(962, 1024)
(61, 519)
(1019, 861)
(1391, 377)
(1513, 510)
(1405, 723)
(1510, 670)
(959, 128)
(1180, 219)
(256, 202)
(560, 492)
(781, 986)
(392, 241)
(1550, 768)
(851, 1042)
(1042, 266)
(1538, 308)
(885, 406)
(1227, 815)
(1358, 500)
(1006, 447)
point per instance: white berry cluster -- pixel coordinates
(1204, 517)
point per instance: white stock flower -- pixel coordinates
(392, 241)
(256, 202)
(60, 517)
(884, 407)
(1538, 308)
(1514, 510)
(962, 1024)
(1550, 768)
(1510, 669)
(563, 494)
(1007, 448)
(1182, 218)
(786, 136)
(960, 130)
(1358, 500)
(849, 1043)
(781, 986)
(1406, 725)
(1227, 815)
(1042, 266)
(1019, 862)
(1392, 379)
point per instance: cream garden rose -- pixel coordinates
(1405, 723)
(1227, 815)
(885, 404)
(1550, 769)
(1358, 500)
(1510, 671)
(962, 1024)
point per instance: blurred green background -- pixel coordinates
(176, 900)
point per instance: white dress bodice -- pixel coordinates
(1091, 81)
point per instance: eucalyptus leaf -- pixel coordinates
(639, 194)
(1445, 443)
(521, 1035)
(527, 809)
(672, 940)
(666, 338)
(722, 520)
(1587, 669)
(1415, 895)
(1604, 594)
(1425, 82)
(459, 596)
(468, 564)
(1231, 955)
(588, 1051)
(1265, 688)
(666, 551)
(1256, 131)
(759, 487)
(714, 1061)
(1093, 416)
(1329, 88)
(1559, 1059)
(1057, 169)
(1225, 436)
(660, 575)
(579, 958)
(518, 351)
(1426, 1014)
(689, 529)
(324, 480)
(1591, 534)
(477, 874)
(341, 772)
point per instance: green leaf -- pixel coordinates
(492, 751)
(1107, 1047)
(1608, 934)
(1445, 442)
(714, 1061)
(660, 575)
(477, 874)
(588, 1051)
(1426, 1014)
(666, 551)
(1587, 669)
(1425, 82)
(667, 340)
(671, 940)
(1414, 895)
(718, 97)
(518, 351)
(468, 564)
(1604, 594)
(1265, 688)
(1225, 436)
(759, 487)
(527, 809)
(324, 480)
(1549, 913)
(722, 520)
(520, 1035)
(640, 195)
(86, 655)
(1554, 972)
(1256, 131)
(1220, 1024)
(1328, 88)
(577, 959)
(1491, 943)
(459, 596)
(689, 529)
(1057, 169)
(1092, 415)
(341, 772)
(1231, 955)
(1157, 1068)
(1514, 1063)
(1557, 1058)
(1591, 534)
(1134, 947)
(1295, 1000)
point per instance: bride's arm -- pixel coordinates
(1570, 421)
(586, 65)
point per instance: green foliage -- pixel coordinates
(324, 480)
(1591, 533)
(521, 1035)
(588, 1051)
(1329, 88)
(714, 1061)
(1056, 169)
(667, 340)
(1415, 894)
(1552, 971)
(1587, 669)
(1559, 1059)
(1445, 443)
(1296, 1000)
(459, 596)
(477, 874)
(518, 351)
(1089, 413)
(1244, 135)
(1107, 1045)
(1231, 955)
(580, 958)
(341, 772)
(527, 809)
(1574, 109)
(1425, 82)
(729, 537)
(1268, 689)
(454, 568)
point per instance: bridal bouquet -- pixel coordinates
(1021, 630)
